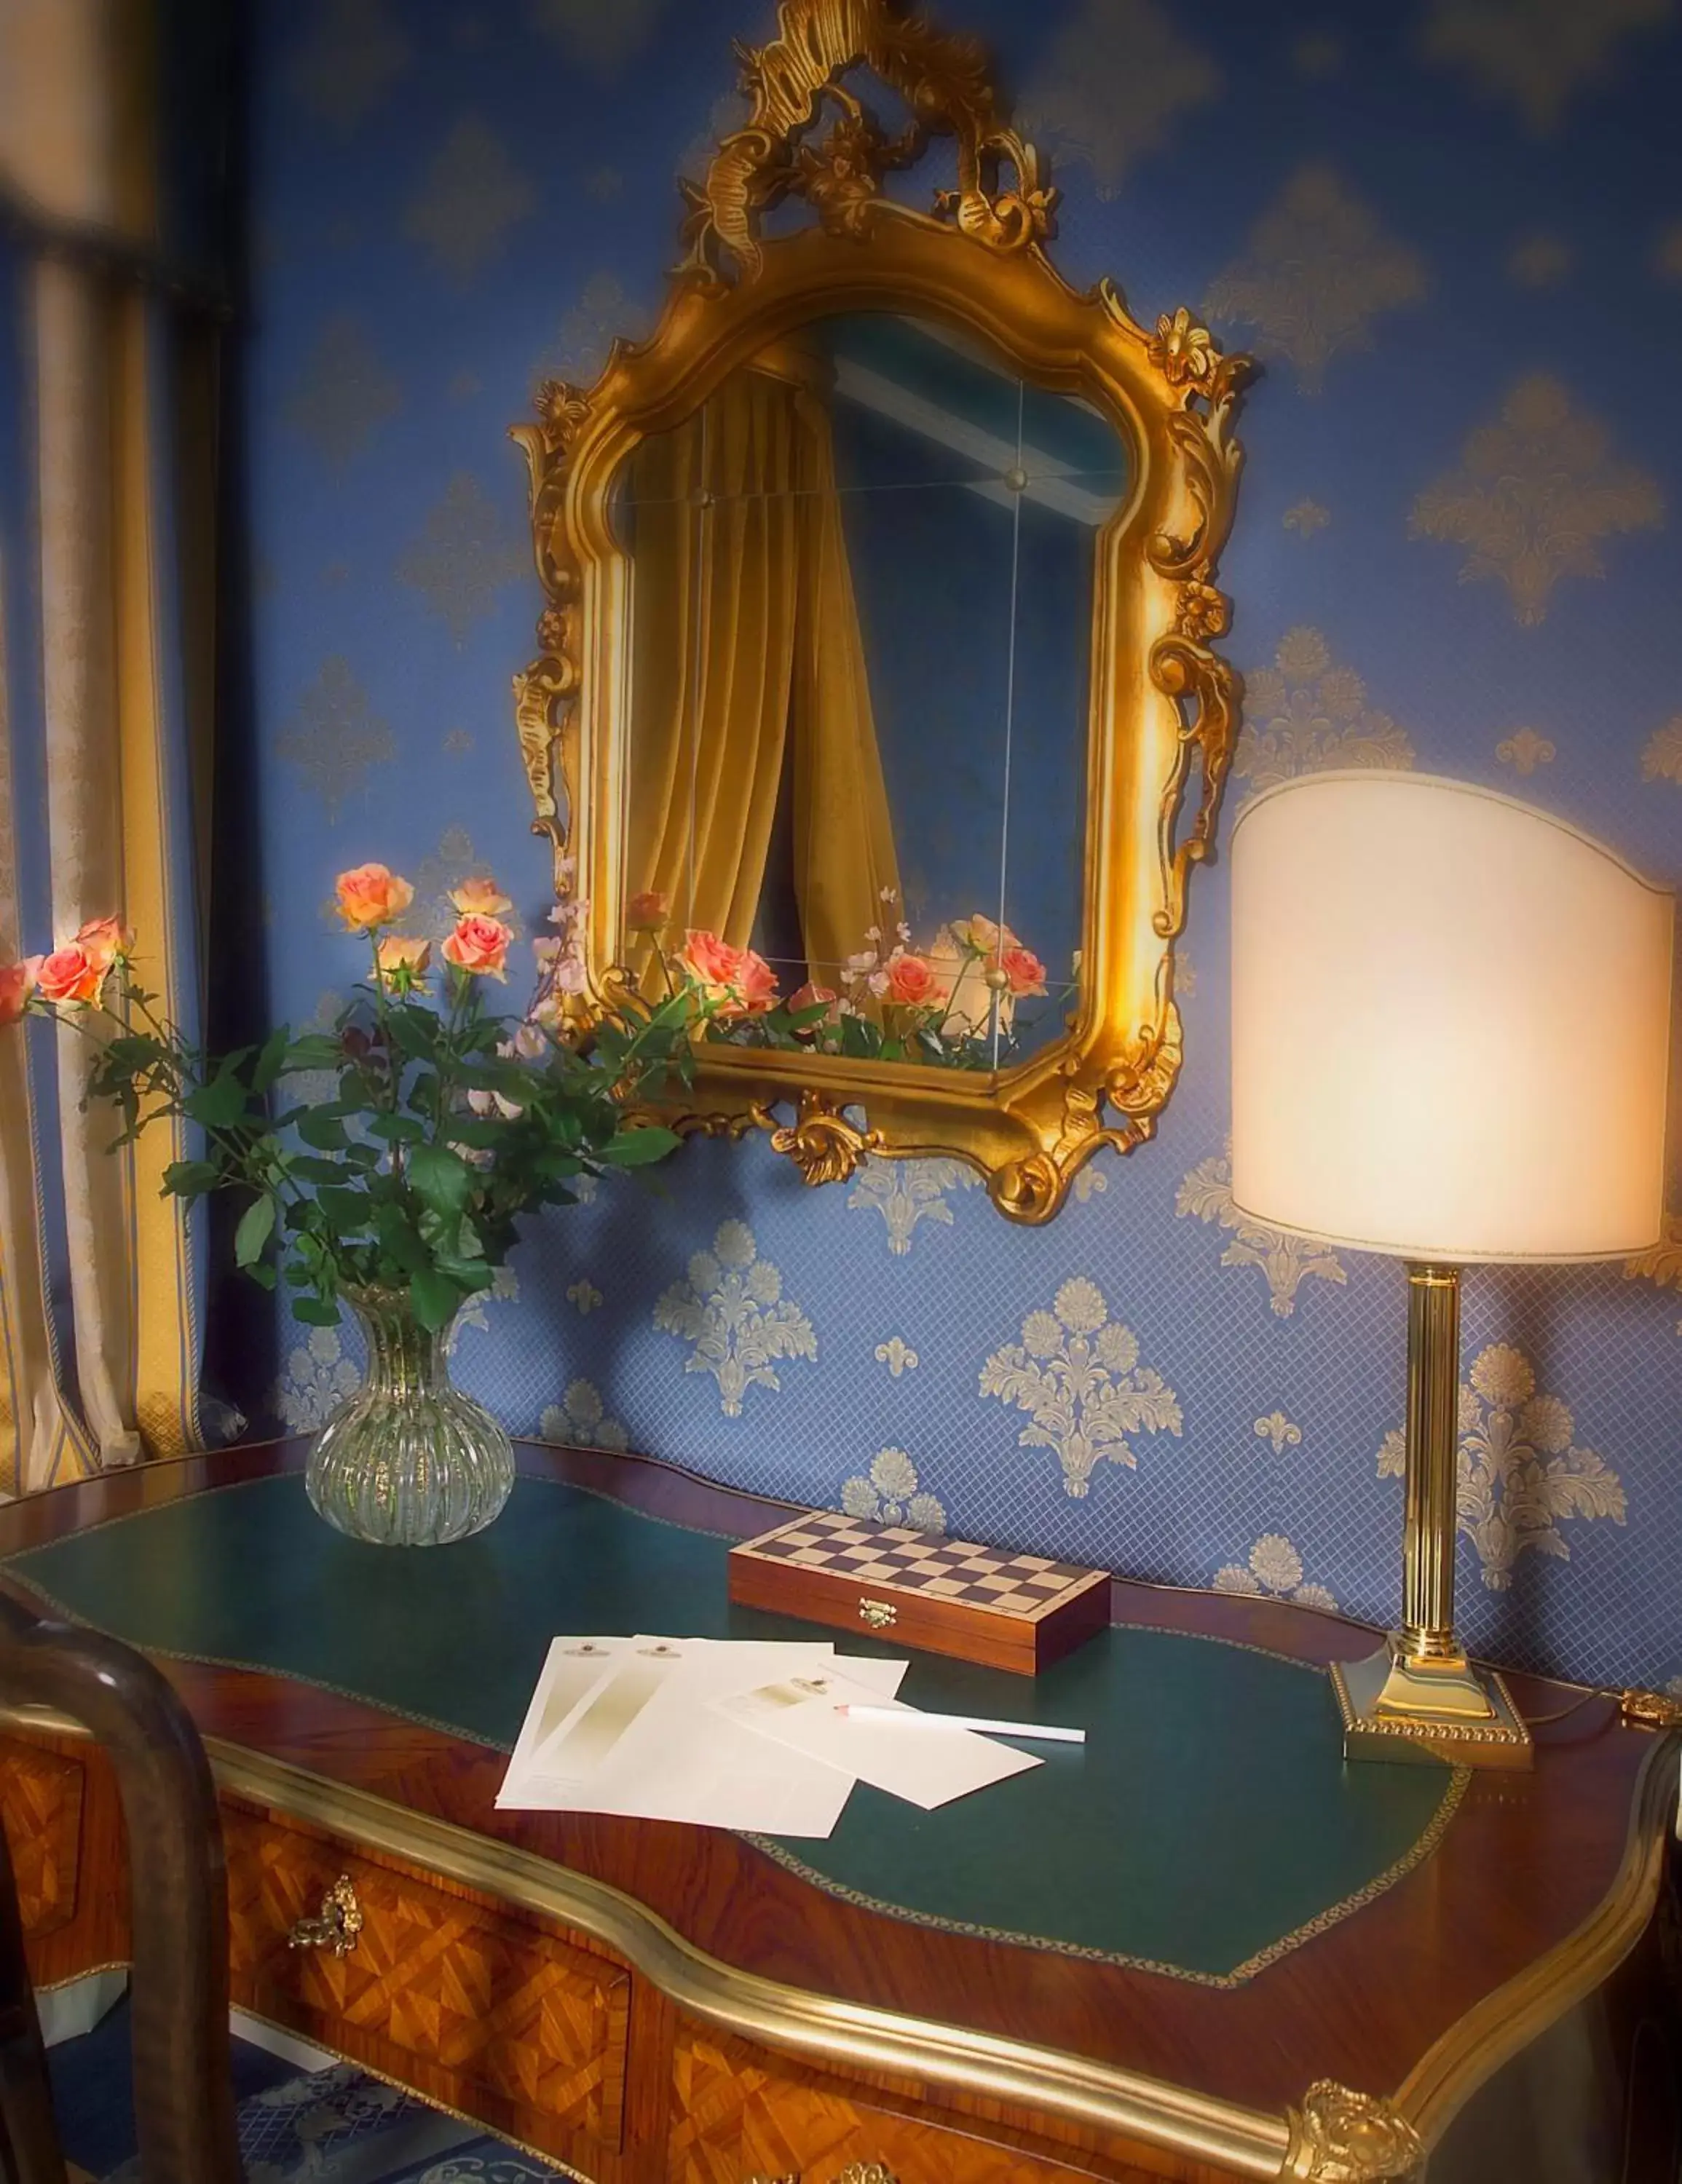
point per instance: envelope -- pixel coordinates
(928, 1767)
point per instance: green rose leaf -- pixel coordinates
(637, 1148)
(323, 1129)
(256, 1227)
(436, 1298)
(270, 1059)
(187, 1178)
(441, 1178)
(218, 1105)
(314, 1313)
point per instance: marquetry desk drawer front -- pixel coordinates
(476, 2006)
(62, 1819)
(740, 2115)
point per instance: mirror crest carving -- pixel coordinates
(813, 300)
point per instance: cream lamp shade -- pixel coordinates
(1450, 1024)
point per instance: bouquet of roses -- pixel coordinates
(447, 1121)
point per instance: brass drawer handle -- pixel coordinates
(335, 1926)
(879, 1614)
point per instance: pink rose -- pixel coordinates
(757, 990)
(403, 961)
(983, 934)
(479, 945)
(648, 912)
(1024, 972)
(811, 995)
(102, 940)
(713, 964)
(69, 974)
(371, 896)
(479, 897)
(17, 984)
(912, 983)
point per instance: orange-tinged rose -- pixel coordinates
(69, 974)
(480, 945)
(104, 939)
(757, 988)
(369, 896)
(17, 984)
(648, 912)
(714, 965)
(811, 995)
(480, 898)
(1024, 972)
(403, 960)
(984, 934)
(912, 983)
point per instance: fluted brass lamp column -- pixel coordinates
(1451, 1031)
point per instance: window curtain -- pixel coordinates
(748, 657)
(107, 378)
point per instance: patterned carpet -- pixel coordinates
(332, 2126)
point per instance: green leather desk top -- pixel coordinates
(1207, 1827)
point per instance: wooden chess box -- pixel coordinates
(918, 1589)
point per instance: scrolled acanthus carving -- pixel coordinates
(1338, 2136)
(942, 81)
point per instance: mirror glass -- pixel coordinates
(861, 599)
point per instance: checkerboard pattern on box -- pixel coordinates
(892, 1557)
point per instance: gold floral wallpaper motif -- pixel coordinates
(1661, 753)
(589, 329)
(1320, 267)
(907, 1192)
(354, 53)
(580, 1419)
(897, 1356)
(731, 1310)
(1525, 750)
(1535, 494)
(602, 34)
(1304, 714)
(1306, 517)
(1536, 53)
(1521, 1474)
(1285, 1261)
(472, 195)
(1077, 1374)
(1273, 1567)
(1540, 261)
(1116, 79)
(583, 1296)
(466, 551)
(475, 1313)
(1278, 1429)
(316, 1378)
(335, 738)
(889, 1495)
(345, 394)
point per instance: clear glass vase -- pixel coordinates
(407, 1461)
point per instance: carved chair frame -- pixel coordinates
(1160, 696)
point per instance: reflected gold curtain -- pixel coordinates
(98, 1280)
(748, 658)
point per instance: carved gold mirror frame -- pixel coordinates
(1160, 695)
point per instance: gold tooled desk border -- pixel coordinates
(1246, 2141)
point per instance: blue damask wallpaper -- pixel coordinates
(1453, 230)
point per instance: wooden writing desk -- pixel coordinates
(643, 2001)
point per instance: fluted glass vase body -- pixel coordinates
(407, 1461)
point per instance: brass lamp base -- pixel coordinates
(1396, 1707)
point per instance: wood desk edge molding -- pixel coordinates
(818, 2027)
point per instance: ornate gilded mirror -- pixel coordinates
(876, 676)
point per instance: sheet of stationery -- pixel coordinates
(729, 1734)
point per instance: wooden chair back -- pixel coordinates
(183, 2088)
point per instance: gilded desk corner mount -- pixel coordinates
(878, 686)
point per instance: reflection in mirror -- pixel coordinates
(862, 589)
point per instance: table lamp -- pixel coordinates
(1450, 1032)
